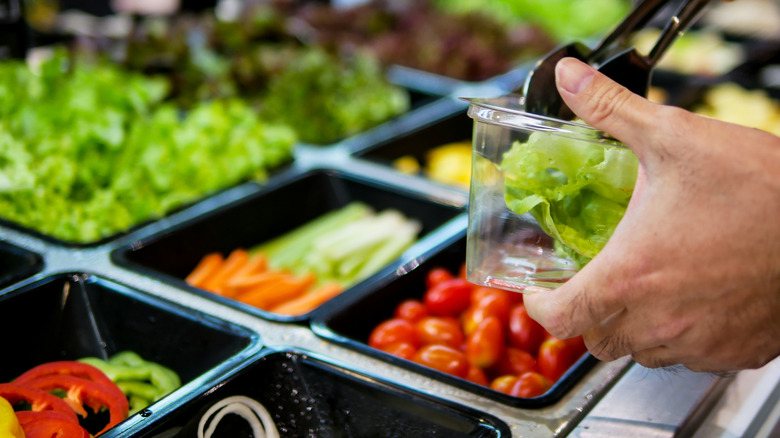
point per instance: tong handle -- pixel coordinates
(678, 24)
(635, 20)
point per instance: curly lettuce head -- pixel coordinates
(577, 190)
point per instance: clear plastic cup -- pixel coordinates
(545, 195)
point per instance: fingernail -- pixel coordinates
(573, 75)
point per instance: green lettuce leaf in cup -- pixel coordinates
(577, 190)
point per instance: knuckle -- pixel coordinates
(606, 348)
(608, 101)
(649, 361)
(559, 325)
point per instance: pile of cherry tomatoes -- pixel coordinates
(477, 333)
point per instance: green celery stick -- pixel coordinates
(290, 248)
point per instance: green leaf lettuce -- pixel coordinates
(577, 190)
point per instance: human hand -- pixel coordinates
(691, 274)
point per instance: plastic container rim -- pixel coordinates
(497, 111)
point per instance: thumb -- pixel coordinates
(606, 105)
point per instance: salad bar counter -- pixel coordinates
(256, 240)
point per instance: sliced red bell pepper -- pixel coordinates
(76, 369)
(82, 392)
(49, 424)
(38, 399)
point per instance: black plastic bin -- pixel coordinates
(17, 263)
(173, 253)
(349, 321)
(454, 127)
(70, 316)
(309, 396)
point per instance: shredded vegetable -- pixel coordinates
(251, 410)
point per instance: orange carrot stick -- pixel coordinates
(309, 301)
(245, 276)
(237, 286)
(270, 294)
(257, 263)
(235, 261)
(205, 269)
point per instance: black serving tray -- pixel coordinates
(17, 263)
(311, 396)
(70, 316)
(279, 208)
(349, 320)
(242, 186)
(455, 126)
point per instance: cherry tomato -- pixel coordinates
(401, 349)
(392, 331)
(439, 330)
(472, 317)
(516, 361)
(524, 332)
(496, 302)
(481, 293)
(436, 276)
(445, 359)
(555, 357)
(577, 345)
(411, 309)
(448, 298)
(485, 346)
(477, 375)
(530, 384)
(503, 383)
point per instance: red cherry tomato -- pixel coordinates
(482, 292)
(477, 375)
(530, 384)
(516, 361)
(442, 358)
(393, 331)
(448, 298)
(485, 346)
(577, 345)
(439, 330)
(495, 302)
(401, 349)
(524, 332)
(503, 383)
(471, 317)
(436, 276)
(555, 357)
(411, 309)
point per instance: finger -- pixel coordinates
(606, 105)
(579, 304)
(658, 357)
(630, 332)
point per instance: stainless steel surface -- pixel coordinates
(749, 407)
(653, 403)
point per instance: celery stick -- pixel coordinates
(337, 238)
(394, 247)
(374, 231)
(291, 247)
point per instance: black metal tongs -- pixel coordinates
(611, 56)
